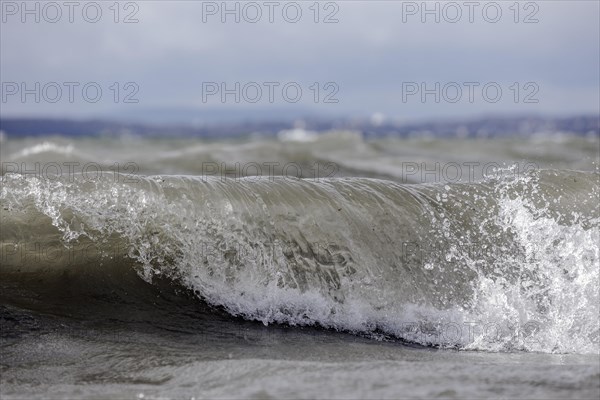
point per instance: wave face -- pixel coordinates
(506, 264)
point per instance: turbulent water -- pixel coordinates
(130, 246)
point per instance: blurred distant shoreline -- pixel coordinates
(496, 126)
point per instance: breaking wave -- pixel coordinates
(506, 264)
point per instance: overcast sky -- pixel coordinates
(377, 58)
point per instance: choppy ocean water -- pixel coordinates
(307, 266)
